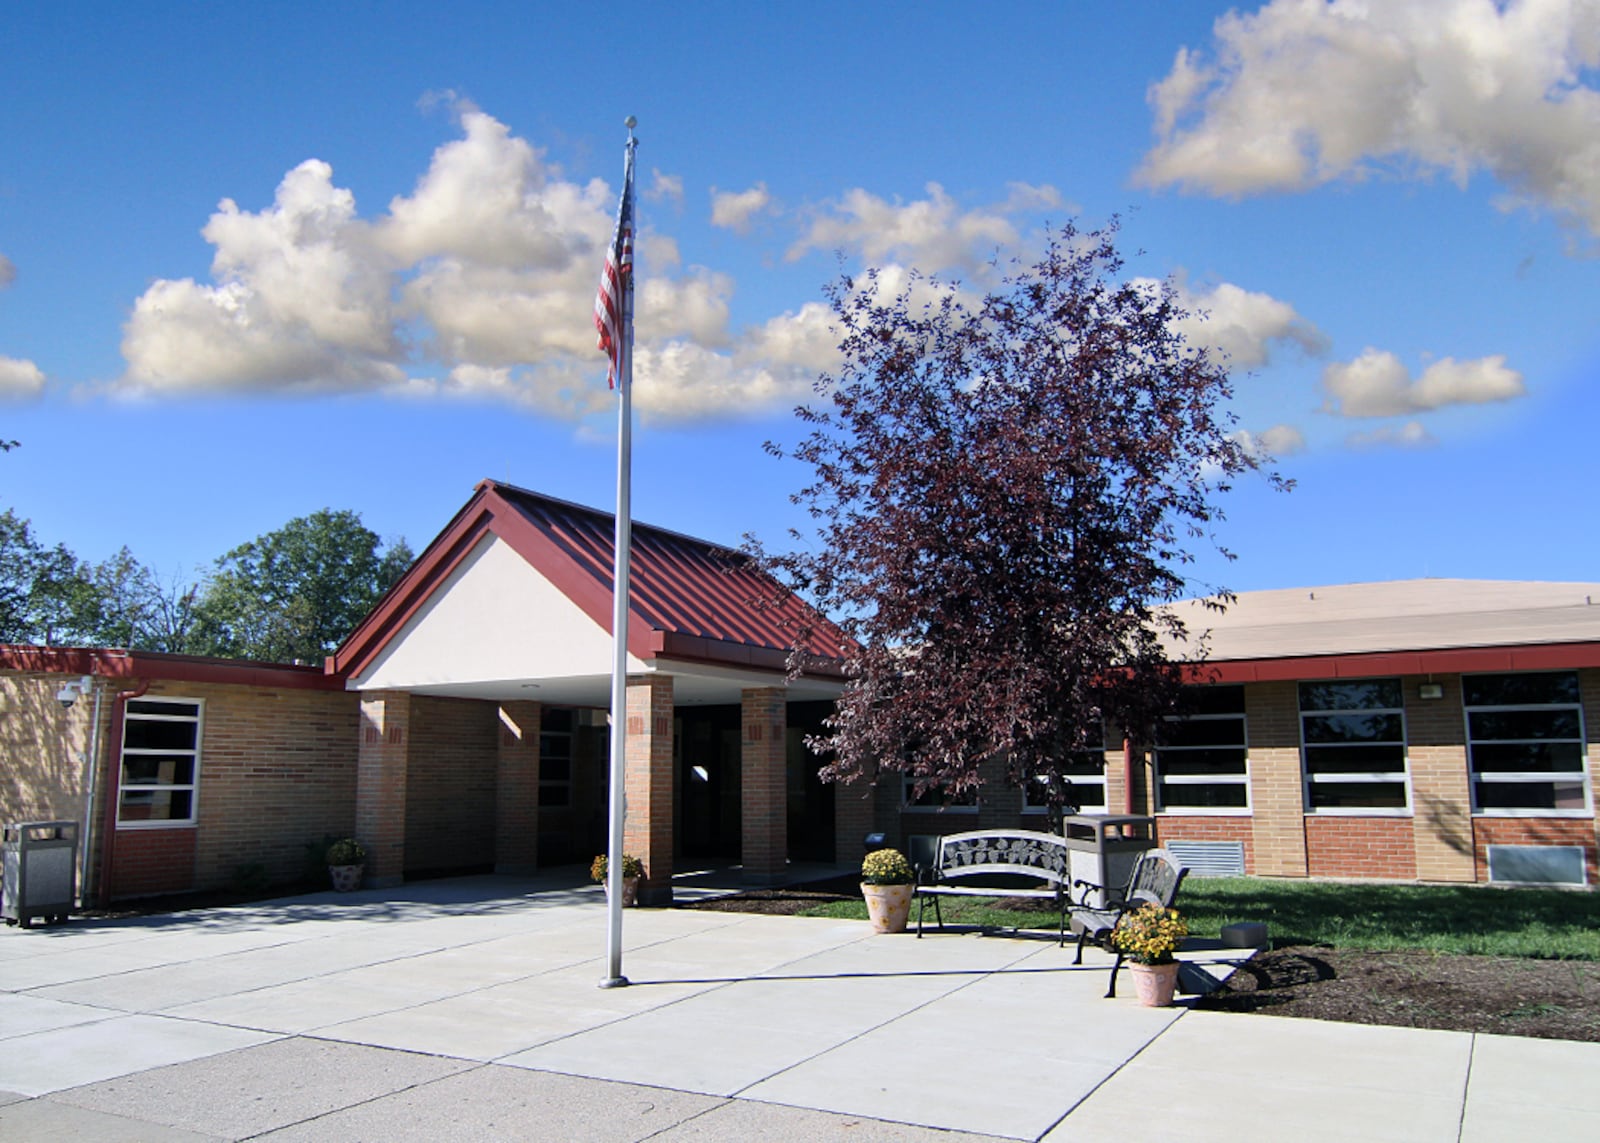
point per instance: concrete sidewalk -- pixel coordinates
(469, 1009)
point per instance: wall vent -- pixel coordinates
(1209, 858)
(1537, 865)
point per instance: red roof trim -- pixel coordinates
(1441, 661)
(115, 664)
(674, 585)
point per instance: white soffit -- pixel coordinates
(494, 619)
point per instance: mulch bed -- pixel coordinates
(1513, 996)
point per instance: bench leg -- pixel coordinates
(1083, 936)
(922, 903)
(1112, 991)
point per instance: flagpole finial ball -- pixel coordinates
(630, 123)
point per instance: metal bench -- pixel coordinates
(1154, 881)
(962, 858)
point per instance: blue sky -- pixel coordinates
(259, 260)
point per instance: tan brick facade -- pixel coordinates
(763, 789)
(648, 826)
(382, 772)
(516, 827)
(1441, 797)
(450, 785)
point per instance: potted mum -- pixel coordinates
(887, 883)
(1148, 937)
(632, 874)
(346, 859)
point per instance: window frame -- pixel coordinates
(1402, 777)
(1162, 780)
(570, 737)
(1100, 807)
(1474, 776)
(124, 786)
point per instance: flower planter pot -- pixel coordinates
(630, 891)
(1155, 983)
(888, 906)
(345, 877)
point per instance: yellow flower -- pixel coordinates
(1149, 934)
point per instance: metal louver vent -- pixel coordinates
(1209, 858)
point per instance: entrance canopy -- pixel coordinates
(512, 601)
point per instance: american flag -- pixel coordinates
(614, 280)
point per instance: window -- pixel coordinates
(160, 762)
(934, 799)
(1087, 770)
(1353, 745)
(555, 756)
(1525, 742)
(1200, 757)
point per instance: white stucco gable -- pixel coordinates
(494, 619)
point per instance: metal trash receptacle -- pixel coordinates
(40, 861)
(1104, 849)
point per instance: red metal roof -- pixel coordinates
(111, 663)
(689, 599)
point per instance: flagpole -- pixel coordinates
(619, 599)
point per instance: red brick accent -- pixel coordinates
(516, 826)
(381, 777)
(763, 788)
(1527, 831)
(647, 826)
(1173, 828)
(154, 861)
(450, 783)
(1345, 846)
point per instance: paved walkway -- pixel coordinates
(469, 1009)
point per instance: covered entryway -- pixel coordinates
(485, 683)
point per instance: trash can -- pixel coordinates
(39, 860)
(1104, 849)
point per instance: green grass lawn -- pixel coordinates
(1546, 923)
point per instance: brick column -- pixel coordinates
(763, 786)
(1441, 799)
(381, 764)
(647, 828)
(1277, 797)
(855, 808)
(516, 789)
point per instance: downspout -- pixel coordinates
(93, 768)
(114, 790)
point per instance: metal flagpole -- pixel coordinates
(620, 584)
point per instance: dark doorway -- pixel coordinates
(705, 741)
(810, 798)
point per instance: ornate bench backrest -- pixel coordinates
(1023, 852)
(1155, 878)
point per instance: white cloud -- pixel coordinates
(932, 234)
(1304, 92)
(1278, 441)
(664, 187)
(1409, 435)
(736, 210)
(1377, 384)
(479, 284)
(300, 300)
(1241, 325)
(19, 379)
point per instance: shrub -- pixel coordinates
(346, 851)
(631, 867)
(885, 867)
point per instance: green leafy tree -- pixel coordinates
(294, 594)
(1006, 490)
(46, 595)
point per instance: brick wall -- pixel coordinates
(1347, 846)
(1175, 827)
(517, 787)
(150, 861)
(450, 784)
(763, 785)
(1488, 831)
(382, 772)
(648, 827)
(1277, 796)
(277, 775)
(1441, 796)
